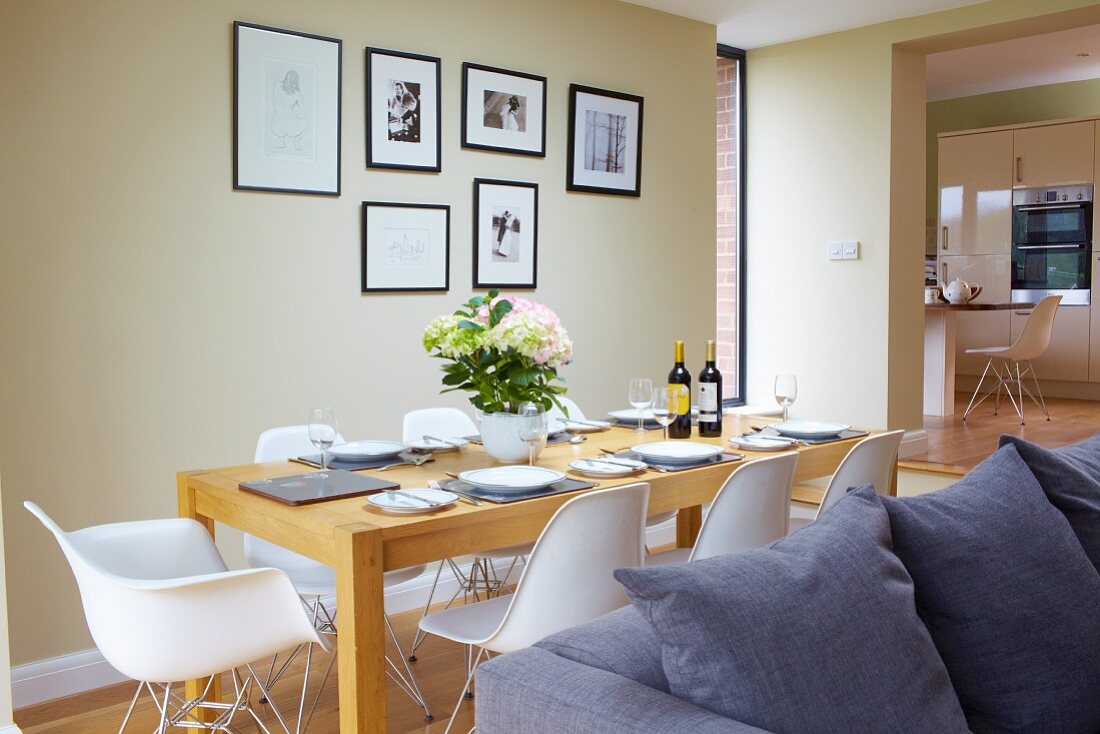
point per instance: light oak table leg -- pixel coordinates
(361, 647)
(185, 498)
(688, 522)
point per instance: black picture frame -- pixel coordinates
(478, 281)
(467, 67)
(371, 116)
(238, 25)
(571, 183)
(365, 209)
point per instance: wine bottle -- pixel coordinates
(710, 396)
(679, 383)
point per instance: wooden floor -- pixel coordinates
(954, 443)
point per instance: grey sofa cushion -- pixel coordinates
(622, 642)
(817, 632)
(1009, 596)
(534, 690)
(1070, 476)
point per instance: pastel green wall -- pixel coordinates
(1030, 104)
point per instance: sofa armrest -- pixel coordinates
(534, 690)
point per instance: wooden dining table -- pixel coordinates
(362, 542)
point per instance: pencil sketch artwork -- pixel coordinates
(604, 141)
(290, 108)
(505, 111)
(406, 247)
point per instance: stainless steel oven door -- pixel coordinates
(1049, 269)
(1052, 224)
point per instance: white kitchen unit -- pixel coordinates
(980, 328)
(1054, 155)
(1067, 357)
(975, 184)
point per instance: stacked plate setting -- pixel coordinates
(366, 450)
(511, 479)
(608, 467)
(676, 452)
(405, 501)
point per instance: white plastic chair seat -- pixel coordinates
(669, 557)
(507, 552)
(470, 624)
(659, 519)
(989, 350)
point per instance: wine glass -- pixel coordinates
(786, 390)
(664, 403)
(641, 396)
(533, 429)
(322, 432)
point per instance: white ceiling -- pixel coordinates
(1022, 62)
(754, 23)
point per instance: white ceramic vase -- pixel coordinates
(500, 435)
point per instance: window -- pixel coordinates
(731, 223)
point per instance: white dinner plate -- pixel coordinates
(586, 426)
(512, 478)
(676, 452)
(399, 504)
(607, 467)
(631, 414)
(362, 450)
(762, 443)
(438, 446)
(810, 429)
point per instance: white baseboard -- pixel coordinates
(87, 670)
(913, 443)
(10, 729)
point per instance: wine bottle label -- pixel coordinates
(682, 394)
(708, 402)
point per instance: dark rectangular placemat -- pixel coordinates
(305, 489)
(335, 463)
(722, 458)
(646, 425)
(565, 485)
(842, 436)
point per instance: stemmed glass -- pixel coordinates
(533, 428)
(664, 400)
(786, 390)
(641, 396)
(322, 432)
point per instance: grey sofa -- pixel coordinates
(1013, 549)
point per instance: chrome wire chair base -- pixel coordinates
(1006, 375)
(481, 581)
(325, 623)
(473, 659)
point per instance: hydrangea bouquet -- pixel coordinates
(504, 350)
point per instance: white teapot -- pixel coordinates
(959, 291)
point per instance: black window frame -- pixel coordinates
(730, 52)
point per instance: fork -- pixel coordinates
(434, 484)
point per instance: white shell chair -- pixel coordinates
(162, 608)
(871, 461)
(315, 581)
(453, 423)
(1032, 342)
(751, 510)
(567, 581)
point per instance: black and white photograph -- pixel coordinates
(403, 110)
(605, 142)
(503, 111)
(406, 247)
(286, 111)
(505, 234)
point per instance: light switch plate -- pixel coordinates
(850, 249)
(834, 250)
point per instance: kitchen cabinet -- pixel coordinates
(1094, 339)
(1067, 356)
(1053, 155)
(976, 329)
(975, 189)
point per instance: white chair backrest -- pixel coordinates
(438, 422)
(161, 606)
(568, 577)
(286, 442)
(575, 411)
(752, 509)
(1035, 337)
(871, 461)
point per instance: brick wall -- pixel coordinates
(728, 147)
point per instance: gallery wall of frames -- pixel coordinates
(287, 139)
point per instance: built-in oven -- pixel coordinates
(1052, 244)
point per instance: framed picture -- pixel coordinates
(286, 110)
(503, 110)
(403, 116)
(506, 234)
(605, 142)
(406, 247)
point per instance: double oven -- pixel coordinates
(1052, 244)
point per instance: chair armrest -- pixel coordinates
(535, 690)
